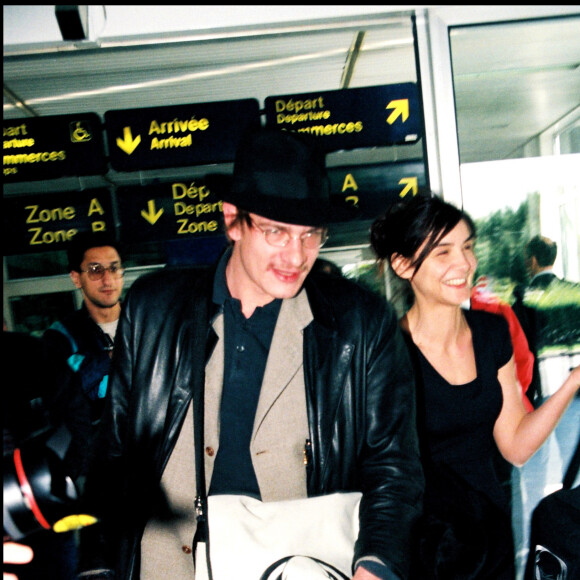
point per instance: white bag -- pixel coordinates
(310, 536)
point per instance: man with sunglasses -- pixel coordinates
(85, 337)
(304, 379)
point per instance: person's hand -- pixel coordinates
(16, 554)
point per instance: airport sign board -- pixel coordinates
(51, 147)
(350, 118)
(50, 222)
(178, 136)
(370, 189)
(180, 209)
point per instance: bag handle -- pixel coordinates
(332, 572)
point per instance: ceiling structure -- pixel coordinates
(512, 81)
(204, 68)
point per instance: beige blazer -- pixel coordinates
(277, 444)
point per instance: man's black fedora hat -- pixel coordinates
(281, 175)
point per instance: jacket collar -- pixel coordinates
(320, 306)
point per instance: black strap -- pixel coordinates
(573, 468)
(332, 572)
(199, 336)
(201, 497)
(198, 432)
(202, 529)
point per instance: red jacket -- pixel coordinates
(524, 359)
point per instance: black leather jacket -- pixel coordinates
(360, 402)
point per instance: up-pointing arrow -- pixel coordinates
(410, 185)
(128, 144)
(401, 109)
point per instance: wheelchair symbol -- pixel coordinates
(79, 132)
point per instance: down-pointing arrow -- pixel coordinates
(150, 215)
(128, 144)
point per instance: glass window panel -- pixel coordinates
(34, 314)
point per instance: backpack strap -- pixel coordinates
(75, 360)
(60, 327)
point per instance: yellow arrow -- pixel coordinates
(150, 214)
(411, 184)
(353, 198)
(127, 143)
(401, 108)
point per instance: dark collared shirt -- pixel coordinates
(246, 346)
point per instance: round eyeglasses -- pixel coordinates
(279, 237)
(97, 271)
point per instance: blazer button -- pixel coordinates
(186, 549)
(210, 451)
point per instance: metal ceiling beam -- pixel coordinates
(18, 102)
(351, 59)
